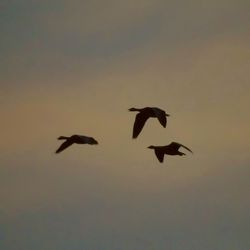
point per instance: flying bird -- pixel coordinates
(143, 116)
(171, 149)
(78, 139)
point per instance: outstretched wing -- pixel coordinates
(161, 116)
(187, 148)
(159, 155)
(140, 120)
(177, 145)
(64, 146)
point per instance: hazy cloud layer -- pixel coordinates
(76, 67)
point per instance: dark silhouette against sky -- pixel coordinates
(77, 139)
(171, 149)
(144, 114)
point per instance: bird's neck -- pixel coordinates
(134, 109)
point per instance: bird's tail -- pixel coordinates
(63, 138)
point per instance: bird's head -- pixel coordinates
(151, 147)
(93, 141)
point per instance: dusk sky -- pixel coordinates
(76, 67)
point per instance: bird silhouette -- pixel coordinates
(143, 116)
(171, 149)
(78, 139)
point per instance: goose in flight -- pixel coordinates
(143, 116)
(171, 149)
(78, 139)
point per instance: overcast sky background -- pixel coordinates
(76, 66)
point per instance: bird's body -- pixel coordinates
(144, 114)
(171, 149)
(78, 139)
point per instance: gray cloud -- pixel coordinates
(77, 66)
